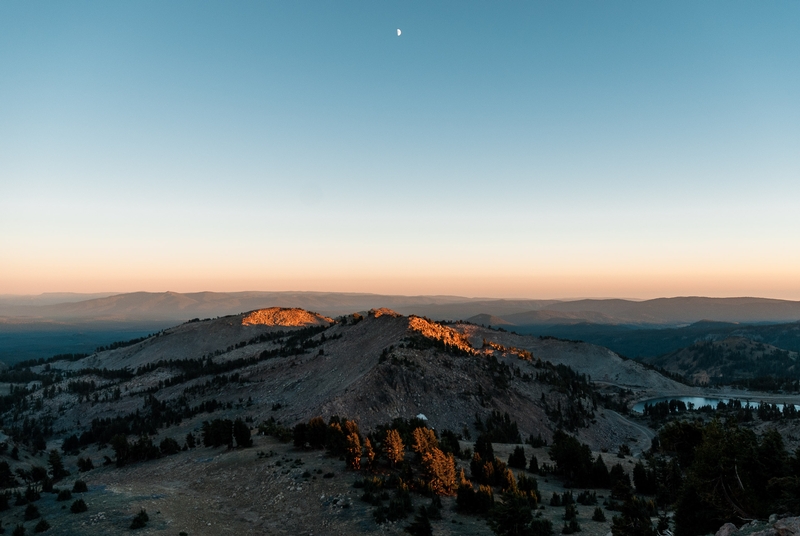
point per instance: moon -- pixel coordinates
(398, 32)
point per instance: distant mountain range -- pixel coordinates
(177, 307)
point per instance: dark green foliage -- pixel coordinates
(78, 506)
(644, 480)
(587, 498)
(121, 448)
(85, 464)
(4, 502)
(80, 487)
(217, 433)
(64, 495)
(190, 440)
(681, 438)
(533, 466)
(169, 446)
(634, 519)
(140, 520)
(498, 428)
(70, 444)
(517, 459)
(573, 459)
(620, 482)
(571, 527)
(733, 476)
(570, 512)
(31, 512)
(555, 500)
(241, 432)
(448, 443)
(19, 530)
(300, 435)
(512, 517)
(41, 526)
(526, 484)
(598, 514)
(600, 476)
(37, 473)
(536, 442)
(7, 479)
(483, 447)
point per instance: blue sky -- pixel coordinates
(547, 149)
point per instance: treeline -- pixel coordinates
(296, 342)
(219, 432)
(42, 361)
(154, 414)
(123, 344)
(734, 410)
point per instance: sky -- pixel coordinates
(517, 149)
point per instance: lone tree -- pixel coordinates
(57, 470)
(393, 446)
(353, 455)
(241, 432)
(369, 452)
(517, 459)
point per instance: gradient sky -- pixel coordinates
(532, 149)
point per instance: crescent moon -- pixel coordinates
(398, 32)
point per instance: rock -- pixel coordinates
(726, 530)
(789, 526)
(772, 519)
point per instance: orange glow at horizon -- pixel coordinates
(544, 284)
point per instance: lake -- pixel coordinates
(699, 401)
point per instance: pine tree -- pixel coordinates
(393, 447)
(440, 470)
(353, 455)
(241, 432)
(512, 517)
(369, 452)
(424, 440)
(517, 458)
(56, 465)
(533, 467)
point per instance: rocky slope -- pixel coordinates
(293, 365)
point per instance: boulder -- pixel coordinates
(726, 530)
(789, 526)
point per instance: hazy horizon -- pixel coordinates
(514, 150)
(94, 295)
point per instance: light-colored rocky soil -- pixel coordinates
(279, 316)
